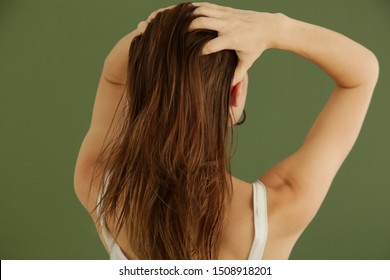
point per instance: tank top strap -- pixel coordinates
(260, 220)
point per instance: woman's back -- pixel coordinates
(245, 234)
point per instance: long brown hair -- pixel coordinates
(168, 166)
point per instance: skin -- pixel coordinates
(296, 186)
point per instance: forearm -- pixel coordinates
(347, 62)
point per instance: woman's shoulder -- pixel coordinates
(289, 213)
(283, 221)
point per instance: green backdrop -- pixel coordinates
(51, 55)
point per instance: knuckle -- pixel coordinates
(228, 9)
(234, 42)
(201, 10)
(201, 21)
(195, 23)
(224, 27)
(208, 48)
(141, 25)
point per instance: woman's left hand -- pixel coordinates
(247, 32)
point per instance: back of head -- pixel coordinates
(168, 165)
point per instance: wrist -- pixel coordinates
(282, 29)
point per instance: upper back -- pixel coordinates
(238, 232)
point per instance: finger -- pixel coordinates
(240, 72)
(142, 26)
(208, 12)
(206, 4)
(217, 44)
(206, 23)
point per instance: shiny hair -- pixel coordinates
(169, 181)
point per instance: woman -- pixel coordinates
(154, 170)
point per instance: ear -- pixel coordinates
(236, 93)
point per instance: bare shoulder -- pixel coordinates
(283, 228)
(289, 210)
(287, 217)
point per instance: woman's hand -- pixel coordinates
(249, 33)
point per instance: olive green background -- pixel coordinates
(51, 55)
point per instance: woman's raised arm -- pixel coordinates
(299, 183)
(310, 171)
(109, 93)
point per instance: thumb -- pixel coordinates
(239, 73)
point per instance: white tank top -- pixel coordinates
(260, 224)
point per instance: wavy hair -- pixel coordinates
(169, 167)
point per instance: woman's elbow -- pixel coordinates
(372, 69)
